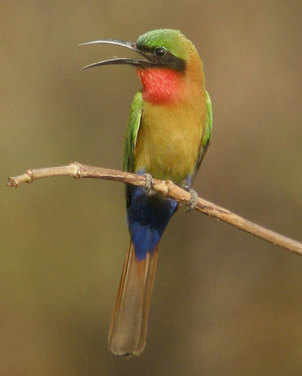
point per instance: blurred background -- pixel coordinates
(224, 302)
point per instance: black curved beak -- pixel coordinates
(143, 63)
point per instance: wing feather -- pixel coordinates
(136, 111)
(207, 134)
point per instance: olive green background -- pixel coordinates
(224, 303)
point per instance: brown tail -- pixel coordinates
(128, 330)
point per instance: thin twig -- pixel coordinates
(165, 188)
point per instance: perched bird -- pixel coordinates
(168, 133)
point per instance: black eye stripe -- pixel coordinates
(167, 59)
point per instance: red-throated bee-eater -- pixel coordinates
(168, 133)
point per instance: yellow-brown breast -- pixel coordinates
(169, 138)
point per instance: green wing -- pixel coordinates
(206, 138)
(207, 134)
(135, 116)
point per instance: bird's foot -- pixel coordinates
(148, 184)
(193, 199)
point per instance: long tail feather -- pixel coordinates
(128, 330)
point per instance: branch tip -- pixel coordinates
(12, 182)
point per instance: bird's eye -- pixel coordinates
(160, 51)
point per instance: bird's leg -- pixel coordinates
(194, 195)
(148, 184)
(193, 199)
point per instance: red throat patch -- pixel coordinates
(161, 85)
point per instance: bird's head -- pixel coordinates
(168, 62)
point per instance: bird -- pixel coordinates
(169, 131)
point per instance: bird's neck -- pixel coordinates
(164, 86)
(161, 85)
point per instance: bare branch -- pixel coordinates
(165, 188)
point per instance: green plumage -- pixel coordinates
(209, 122)
(132, 131)
(172, 40)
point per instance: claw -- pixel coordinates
(148, 183)
(193, 199)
